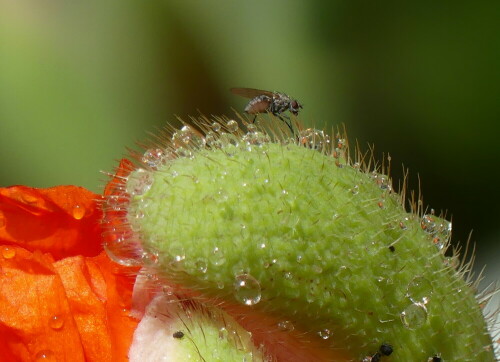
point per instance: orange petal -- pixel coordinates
(35, 316)
(62, 220)
(75, 309)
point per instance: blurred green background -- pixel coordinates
(80, 80)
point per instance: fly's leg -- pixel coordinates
(288, 122)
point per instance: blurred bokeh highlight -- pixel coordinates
(80, 80)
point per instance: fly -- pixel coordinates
(262, 101)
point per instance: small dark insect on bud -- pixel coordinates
(178, 334)
(386, 349)
(376, 357)
(392, 248)
(436, 359)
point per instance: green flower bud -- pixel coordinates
(291, 228)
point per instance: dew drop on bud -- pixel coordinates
(414, 316)
(232, 126)
(247, 289)
(139, 182)
(216, 126)
(218, 257)
(153, 157)
(419, 290)
(286, 326)
(123, 251)
(325, 333)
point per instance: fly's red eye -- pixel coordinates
(295, 104)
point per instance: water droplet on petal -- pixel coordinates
(232, 126)
(78, 212)
(45, 355)
(419, 290)
(247, 289)
(325, 333)
(414, 316)
(8, 252)
(56, 322)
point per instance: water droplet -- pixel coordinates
(139, 182)
(255, 139)
(251, 128)
(247, 289)
(317, 269)
(453, 262)
(314, 139)
(177, 253)
(428, 224)
(325, 333)
(116, 202)
(232, 126)
(218, 257)
(419, 290)
(45, 355)
(216, 126)
(229, 143)
(184, 152)
(344, 273)
(270, 263)
(153, 157)
(28, 199)
(223, 333)
(201, 266)
(286, 326)
(187, 136)
(382, 181)
(211, 139)
(78, 212)
(150, 258)
(355, 190)
(122, 248)
(56, 322)
(414, 315)
(8, 252)
(288, 275)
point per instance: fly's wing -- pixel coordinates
(250, 92)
